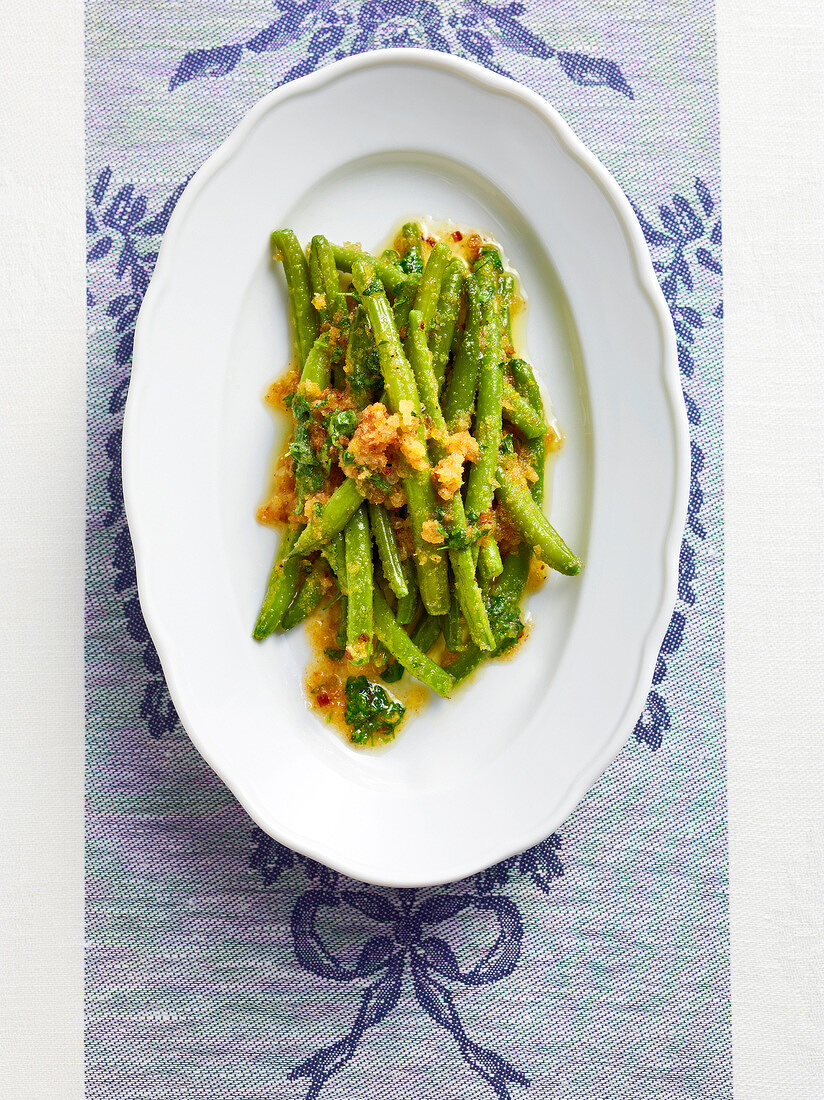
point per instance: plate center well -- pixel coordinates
(363, 200)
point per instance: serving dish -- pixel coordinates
(499, 766)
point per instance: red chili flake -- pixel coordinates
(457, 235)
(323, 699)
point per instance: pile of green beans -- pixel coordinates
(427, 333)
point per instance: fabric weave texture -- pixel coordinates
(219, 964)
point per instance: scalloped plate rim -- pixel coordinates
(670, 379)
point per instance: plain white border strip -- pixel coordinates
(772, 102)
(42, 415)
(772, 113)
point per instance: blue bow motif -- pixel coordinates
(407, 933)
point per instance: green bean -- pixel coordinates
(452, 631)
(316, 282)
(446, 319)
(420, 360)
(509, 588)
(427, 632)
(404, 302)
(460, 553)
(490, 563)
(392, 671)
(280, 588)
(487, 418)
(490, 258)
(359, 587)
(315, 371)
(506, 292)
(398, 377)
(390, 256)
(429, 288)
(401, 388)
(535, 528)
(536, 449)
(424, 636)
(527, 386)
(285, 247)
(460, 390)
(412, 259)
(403, 649)
(335, 312)
(391, 276)
(340, 634)
(330, 519)
(408, 604)
(467, 662)
(511, 584)
(469, 594)
(334, 553)
(362, 365)
(488, 560)
(309, 596)
(480, 487)
(519, 411)
(384, 535)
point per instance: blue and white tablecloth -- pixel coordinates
(220, 965)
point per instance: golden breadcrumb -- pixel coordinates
(413, 450)
(282, 388)
(280, 507)
(375, 436)
(431, 532)
(448, 473)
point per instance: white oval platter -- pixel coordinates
(348, 152)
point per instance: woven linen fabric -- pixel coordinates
(219, 963)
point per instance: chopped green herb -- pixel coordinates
(341, 425)
(301, 409)
(392, 673)
(366, 374)
(370, 710)
(456, 540)
(389, 669)
(311, 470)
(380, 482)
(505, 620)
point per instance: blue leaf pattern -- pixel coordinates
(117, 225)
(683, 241)
(217, 62)
(594, 72)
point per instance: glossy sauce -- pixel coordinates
(325, 678)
